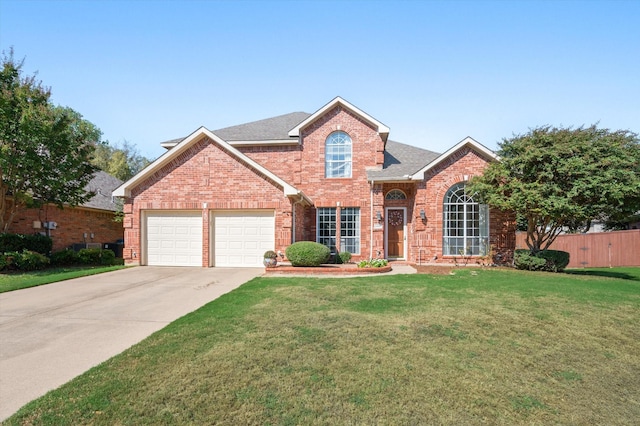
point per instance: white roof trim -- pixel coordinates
(475, 145)
(382, 129)
(270, 142)
(124, 190)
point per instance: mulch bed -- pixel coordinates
(345, 269)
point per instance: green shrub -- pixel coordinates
(373, 263)
(19, 242)
(3, 261)
(545, 260)
(65, 258)
(307, 253)
(344, 257)
(557, 260)
(96, 256)
(26, 260)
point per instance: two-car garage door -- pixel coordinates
(239, 237)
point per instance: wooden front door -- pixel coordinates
(395, 233)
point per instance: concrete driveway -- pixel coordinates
(52, 333)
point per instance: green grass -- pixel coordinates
(18, 280)
(480, 346)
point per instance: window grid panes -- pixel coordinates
(338, 156)
(350, 230)
(466, 225)
(396, 194)
(326, 227)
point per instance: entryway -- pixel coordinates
(395, 232)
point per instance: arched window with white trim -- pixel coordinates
(337, 155)
(396, 194)
(465, 224)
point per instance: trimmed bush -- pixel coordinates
(545, 260)
(307, 253)
(557, 260)
(65, 258)
(26, 260)
(344, 257)
(19, 242)
(3, 261)
(96, 256)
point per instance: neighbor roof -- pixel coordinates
(103, 185)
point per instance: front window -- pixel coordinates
(466, 224)
(337, 157)
(349, 228)
(326, 227)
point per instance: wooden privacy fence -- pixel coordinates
(602, 249)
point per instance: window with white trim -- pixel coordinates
(337, 155)
(466, 224)
(350, 230)
(326, 227)
(395, 194)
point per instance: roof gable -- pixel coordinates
(468, 141)
(124, 190)
(381, 128)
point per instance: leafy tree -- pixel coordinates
(122, 161)
(45, 150)
(557, 178)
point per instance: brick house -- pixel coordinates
(222, 198)
(89, 223)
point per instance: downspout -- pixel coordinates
(371, 218)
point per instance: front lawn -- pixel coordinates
(479, 346)
(10, 281)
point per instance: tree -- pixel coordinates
(122, 161)
(45, 150)
(557, 178)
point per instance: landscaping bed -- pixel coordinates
(341, 269)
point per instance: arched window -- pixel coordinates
(337, 156)
(466, 224)
(396, 194)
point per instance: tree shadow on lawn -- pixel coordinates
(605, 273)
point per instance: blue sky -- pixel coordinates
(433, 71)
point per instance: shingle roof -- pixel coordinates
(401, 160)
(103, 185)
(275, 128)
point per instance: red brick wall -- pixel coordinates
(73, 223)
(426, 241)
(304, 167)
(205, 173)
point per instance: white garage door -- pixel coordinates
(174, 238)
(242, 237)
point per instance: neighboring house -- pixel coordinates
(222, 198)
(91, 223)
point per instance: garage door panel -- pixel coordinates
(174, 238)
(242, 237)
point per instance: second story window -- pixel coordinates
(337, 156)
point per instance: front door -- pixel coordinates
(395, 233)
